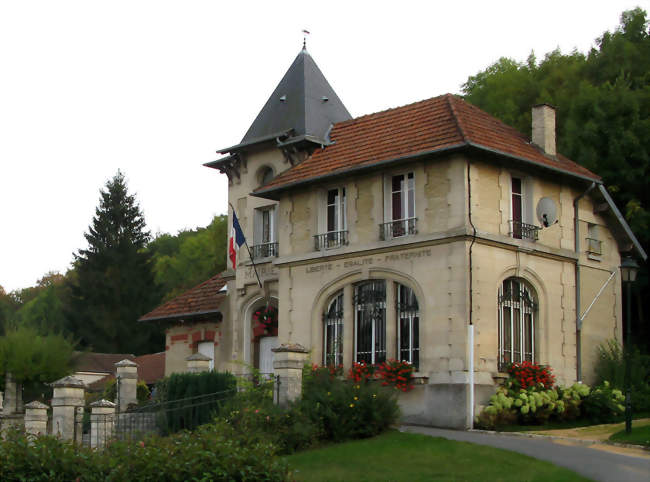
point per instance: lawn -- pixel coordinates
(638, 436)
(399, 456)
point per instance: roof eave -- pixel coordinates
(190, 315)
(273, 192)
(619, 217)
(258, 140)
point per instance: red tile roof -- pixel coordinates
(429, 126)
(151, 368)
(200, 300)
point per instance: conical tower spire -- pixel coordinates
(303, 102)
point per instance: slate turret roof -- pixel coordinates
(303, 106)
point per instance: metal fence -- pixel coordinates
(160, 418)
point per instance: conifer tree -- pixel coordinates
(114, 283)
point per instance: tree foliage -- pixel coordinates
(114, 282)
(33, 357)
(603, 113)
(190, 257)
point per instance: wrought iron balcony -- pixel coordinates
(264, 250)
(521, 230)
(333, 239)
(398, 228)
(594, 246)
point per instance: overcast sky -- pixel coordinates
(155, 87)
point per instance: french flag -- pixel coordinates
(236, 240)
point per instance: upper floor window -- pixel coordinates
(335, 221)
(333, 331)
(517, 311)
(401, 216)
(520, 228)
(408, 325)
(594, 244)
(265, 234)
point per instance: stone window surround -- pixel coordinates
(349, 322)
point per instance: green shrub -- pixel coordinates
(346, 409)
(610, 366)
(192, 399)
(211, 452)
(603, 404)
(257, 421)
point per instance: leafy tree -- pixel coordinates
(8, 307)
(33, 358)
(603, 117)
(190, 257)
(114, 283)
(45, 308)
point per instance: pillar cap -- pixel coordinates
(290, 347)
(198, 357)
(102, 404)
(36, 405)
(126, 363)
(68, 381)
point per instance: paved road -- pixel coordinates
(596, 462)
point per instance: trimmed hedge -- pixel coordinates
(211, 452)
(192, 399)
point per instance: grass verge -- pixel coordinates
(399, 456)
(638, 436)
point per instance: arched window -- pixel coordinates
(265, 175)
(333, 331)
(408, 325)
(517, 310)
(370, 321)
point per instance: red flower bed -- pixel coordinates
(396, 373)
(530, 375)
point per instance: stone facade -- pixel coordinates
(472, 230)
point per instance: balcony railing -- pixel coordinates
(264, 250)
(397, 228)
(521, 230)
(594, 246)
(333, 239)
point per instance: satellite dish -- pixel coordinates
(546, 212)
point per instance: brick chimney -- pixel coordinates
(544, 128)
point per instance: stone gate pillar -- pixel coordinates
(288, 364)
(67, 399)
(13, 396)
(127, 384)
(102, 422)
(36, 418)
(198, 363)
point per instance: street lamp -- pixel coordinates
(629, 267)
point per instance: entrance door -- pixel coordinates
(266, 355)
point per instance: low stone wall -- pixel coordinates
(444, 405)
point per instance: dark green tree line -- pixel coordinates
(603, 117)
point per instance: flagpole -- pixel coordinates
(250, 255)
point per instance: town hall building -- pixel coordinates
(432, 233)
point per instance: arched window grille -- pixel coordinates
(517, 310)
(370, 321)
(408, 325)
(333, 331)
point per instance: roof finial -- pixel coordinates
(304, 39)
